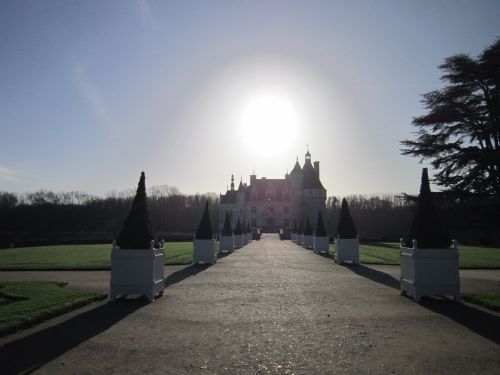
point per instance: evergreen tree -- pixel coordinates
(308, 231)
(320, 226)
(346, 228)
(205, 228)
(426, 227)
(460, 134)
(294, 230)
(237, 229)
(137, 232)
(227, 230)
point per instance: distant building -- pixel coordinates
(271, 204)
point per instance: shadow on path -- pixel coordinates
(184, 273)
(374, 275)
(481, 322)
(31, 352)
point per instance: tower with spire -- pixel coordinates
(271, 204)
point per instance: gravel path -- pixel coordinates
(271, 307)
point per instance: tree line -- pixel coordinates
(44, 217)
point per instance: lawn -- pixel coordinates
(490, 301)
(79, 256)
(23, 304)
(388, 253)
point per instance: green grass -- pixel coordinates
(23, 304)
(388, 253)
(79, 256)
(490, 301)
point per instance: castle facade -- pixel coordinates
(273, 204)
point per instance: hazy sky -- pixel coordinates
(93, 92)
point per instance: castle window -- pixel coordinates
(269, 197)
(270, 210)
(286, 210)
(286, 223)
(254, 210)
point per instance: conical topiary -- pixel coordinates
(249, 230)
(308, 231)
(237, 229)
(294, 230)
(346, 228)
(426, 227)
(244, 227)
(320, 226)
(137, 232)
(205, 228)
(227, 230)
(300, 230)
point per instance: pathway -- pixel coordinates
(271, 307)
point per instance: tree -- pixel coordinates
(227, 230)
(460, 134)
(237, 230)
(426, 226)
(137, 232)
(346, 228)
(308, 228)
(320, 226)
(205, 228)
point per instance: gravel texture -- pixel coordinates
(271, 307)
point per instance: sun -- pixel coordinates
(268, 125)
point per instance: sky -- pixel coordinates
(94, 92)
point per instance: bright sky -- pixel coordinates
(93, 92)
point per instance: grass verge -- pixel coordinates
(79, 257)
(24, 304)
(388, 253)
(488, 300)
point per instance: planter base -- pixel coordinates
(307, 242)
(137, 272)
(320, 244)
(204, 251)
(430, 271)
(346, 249)
(226, 244)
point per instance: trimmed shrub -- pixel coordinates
(346, 228)
(320, 226)
(308, 231)
(137, 232)
(237, 229)
(227, 230)
(205, 228)
(426, 227)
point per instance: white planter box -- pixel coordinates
(204, 251)
(137, 272)
(300, 239)
(238, 241)
(346, 249)
(320, 244)
(307, 241)
(429, 271)
(226, 244)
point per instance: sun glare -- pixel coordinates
(268, 125)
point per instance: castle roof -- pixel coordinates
(229, 197)
(310, 178)
(296, 168)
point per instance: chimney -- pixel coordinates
(316, 167)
